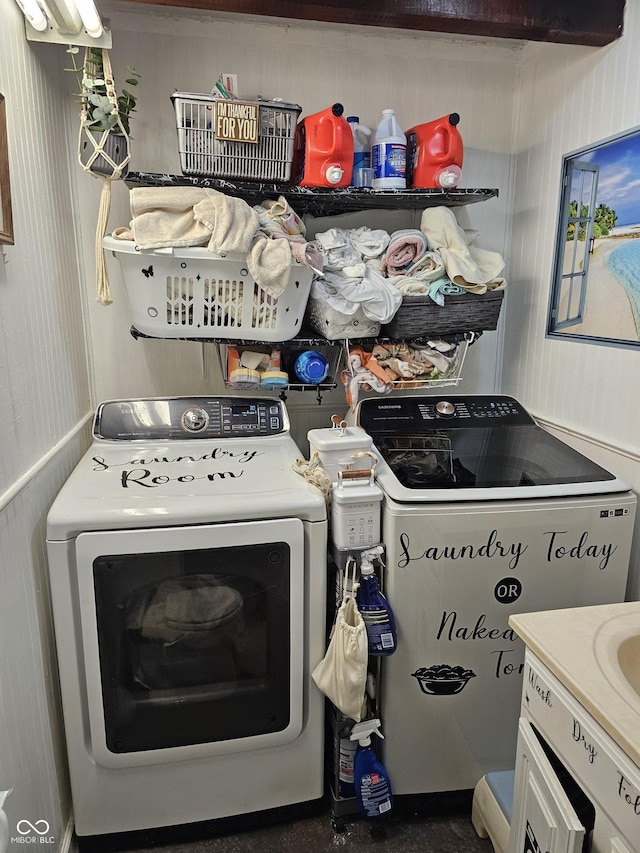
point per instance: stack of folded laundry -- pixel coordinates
(440, 259)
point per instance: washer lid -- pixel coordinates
(124, 484)
(474, 448)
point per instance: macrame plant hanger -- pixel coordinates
(101, 163)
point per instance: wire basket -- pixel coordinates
(194, 293)
(436, 378)
(268, 158)
(263, 377)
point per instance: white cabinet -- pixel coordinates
(575, 789)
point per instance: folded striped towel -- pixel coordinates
(405, 248)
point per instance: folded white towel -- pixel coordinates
(466, 265)
(193, 216)
(163, 216)
(418, 279)
(231, 221)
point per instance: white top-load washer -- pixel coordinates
(188, 577)
(484, 514)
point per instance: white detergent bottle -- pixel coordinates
(389, 154)
(370, 777)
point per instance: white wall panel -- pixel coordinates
(44, 395)
(32, 753)
(571, 97)
(44, 386)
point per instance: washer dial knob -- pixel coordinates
(194, 420)
(444, 409)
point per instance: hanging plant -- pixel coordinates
(97, 107)
(103, 141)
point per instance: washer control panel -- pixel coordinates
(417, 414)
(190, 417)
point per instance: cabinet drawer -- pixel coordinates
(607, 775)
(543, 816)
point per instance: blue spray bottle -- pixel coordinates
(370, 778)
(375, 609)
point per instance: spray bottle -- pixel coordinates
(347, 747)
(370, 778)
(374, 607)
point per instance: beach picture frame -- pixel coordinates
(595, 285)
(6, 221)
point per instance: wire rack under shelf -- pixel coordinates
(288, 351)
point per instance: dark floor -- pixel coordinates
(433, 827)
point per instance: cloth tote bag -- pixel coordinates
(342, 674)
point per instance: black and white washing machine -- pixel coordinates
(188, 576)
(484, 514)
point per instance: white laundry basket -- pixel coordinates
(194, 293)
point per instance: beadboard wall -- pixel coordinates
(570, 99)
(45, 402)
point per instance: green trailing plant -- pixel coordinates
(100, 113)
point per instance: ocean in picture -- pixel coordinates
(624, 263)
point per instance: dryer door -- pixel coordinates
(192, 639)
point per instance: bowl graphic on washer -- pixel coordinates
(442, 679)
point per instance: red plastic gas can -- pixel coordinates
(434, 154)
(323, 150)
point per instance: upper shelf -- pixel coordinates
(319, 201)
(590, 22)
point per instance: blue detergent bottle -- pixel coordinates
(311, 367)
(375, 609)
(370, 778)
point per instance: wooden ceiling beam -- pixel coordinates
(587, 22)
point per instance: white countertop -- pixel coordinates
(578, 646)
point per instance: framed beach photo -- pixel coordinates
(595, 288)
(6, 222)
